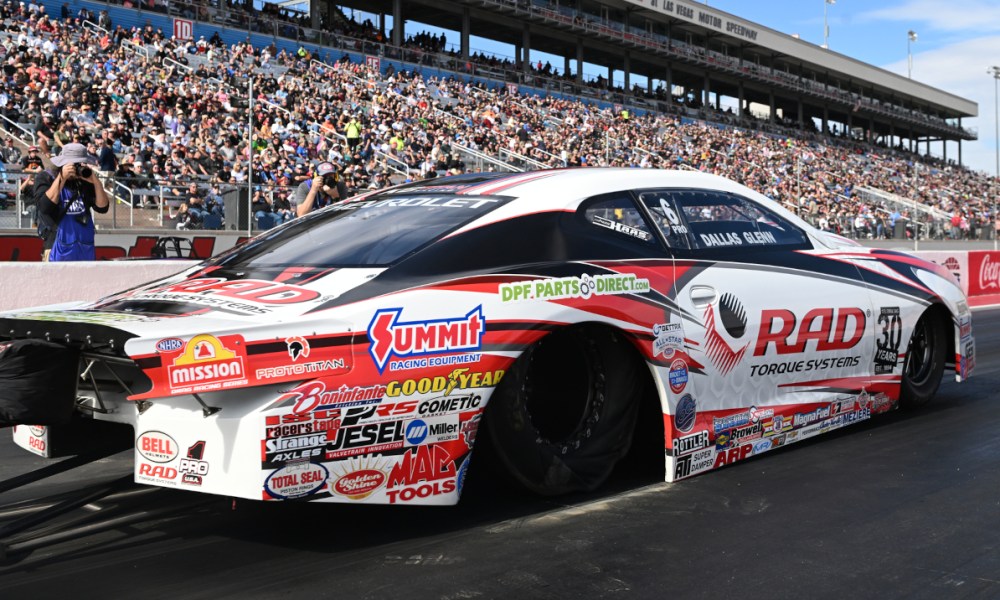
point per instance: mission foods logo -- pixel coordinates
(391, 337)
(206, 364)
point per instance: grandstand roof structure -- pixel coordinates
(707, 52)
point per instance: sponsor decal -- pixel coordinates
(423, 471)
(761, 446)
(85, 317)
(469, 429)
(295, 424)
(739, 435)
(751, 415)
(831, 329)
(732, 316)
(690, 443)
(434, 361)
(296, 480)
(156, 446)
(207, 364)
(449, 404)
(803, 366)
(803, 419)
(358, 485)
(635, 232)
(391, 337)
(37, 430)
(309, 368)
(359, 478)
(157, 473)
(692, 464)
(667, 339)
(731, 455)
(460, 379)
(844, 405)
(777, 425)
(314, 395)
(416, 432)
(298, 347)
(369, 438)
(169, 345)
(678, 376)
(192, 468)
(564, 288)
(432, 431)
(287, 449)
(687, 412)
(888, 339)
(250, 296)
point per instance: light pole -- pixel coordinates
(826, 27)
(995, 72)
(911, 36)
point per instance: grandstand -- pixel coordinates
(177, 112)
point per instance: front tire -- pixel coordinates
(565, 412)
(924, 364)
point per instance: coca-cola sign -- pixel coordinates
(984, 271)
(989, 274)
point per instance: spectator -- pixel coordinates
(64, 199)
(324, 189)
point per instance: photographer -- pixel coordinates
(324, 189)
(64, 199)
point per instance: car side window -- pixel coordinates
(703, 220)
(618, 213)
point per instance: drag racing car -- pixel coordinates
(362, 352)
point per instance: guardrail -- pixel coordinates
(28, 132)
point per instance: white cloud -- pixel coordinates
(960, 69)
(957, 15)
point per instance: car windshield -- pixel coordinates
(372, 232)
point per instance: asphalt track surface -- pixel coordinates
(904, 506)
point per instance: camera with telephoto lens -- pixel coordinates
(84, 172)
(331, 179)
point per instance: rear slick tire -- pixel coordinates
(923, 367)
(564, 414)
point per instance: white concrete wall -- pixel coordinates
(26, 284)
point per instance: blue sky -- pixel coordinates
(957, 41)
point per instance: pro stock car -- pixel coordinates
(352, 355)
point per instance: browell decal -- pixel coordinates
(392, 337)
(206, 363)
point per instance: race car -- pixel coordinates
(354, 354)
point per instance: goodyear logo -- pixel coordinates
(459, 379)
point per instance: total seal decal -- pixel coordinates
(295, 480)
(247, 296)
(413, 339)
(207, 363)
(583, 287)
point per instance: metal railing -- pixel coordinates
(28, 132)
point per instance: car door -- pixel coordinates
(774, 333)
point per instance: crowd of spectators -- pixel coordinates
(172, 115)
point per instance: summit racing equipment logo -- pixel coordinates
(206, 364)
(391, 337)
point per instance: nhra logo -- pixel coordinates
(169, 345)
(206, 364)
(391, 337)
